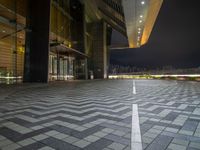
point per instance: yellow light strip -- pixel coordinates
(154, 8)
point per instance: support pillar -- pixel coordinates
(37, 41)
(86, 69)
(100, 57)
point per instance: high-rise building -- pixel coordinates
(45, 40)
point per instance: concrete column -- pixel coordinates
(100, 50)
(86, 69)
(105, 52)
(37, 41)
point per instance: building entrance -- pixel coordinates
(67, 64)
(61, 67)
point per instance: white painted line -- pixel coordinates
(136, 140)
(134, 87)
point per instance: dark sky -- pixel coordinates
(174, 40)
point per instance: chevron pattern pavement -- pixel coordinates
(97, 115)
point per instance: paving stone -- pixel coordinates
(161, 142)
(33, 146)
(190, 125)
(2, 138)
(81, 143)
(151, 135)
(195, 145)
(91, 138)
(52, 133)
(99, 145)
(60, 136)
(88, 125)
(118, 139)
(177, 147)
(5, 142)
(100, 134)
(119, 133)
(147, 139)
(180, 120)
(128, 136)
(58, 144)
(173, 130)
(154, 131)
(197, 134)
(106, 149)
(107, 130)
(191, 148)
(127, 148)
(117, 146)
(70, 139)
(26, 142)
(40, 137)
(145, 127)
(37, 127)
(12, 146)
(180, 142)
(46, 148)
(186, 132)
(196, 111)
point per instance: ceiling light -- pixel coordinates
(140, 21)
(3, 31)
(139, 29)
(142, 2)
(141, 16)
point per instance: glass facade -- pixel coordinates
(60, 61)
(65, 43)
(41, 45)
(12, 40)
(65, 63)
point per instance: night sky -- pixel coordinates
(174, 40)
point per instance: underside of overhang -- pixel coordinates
(140, 17)
(100, 9)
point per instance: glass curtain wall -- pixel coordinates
(12, 40)
(60, 61)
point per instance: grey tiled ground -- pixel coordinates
(97, 115)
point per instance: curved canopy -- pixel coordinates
(140, 16)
